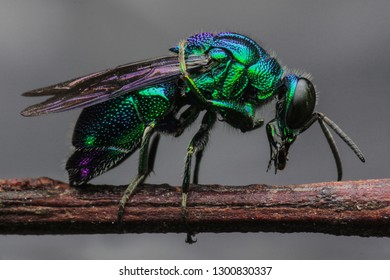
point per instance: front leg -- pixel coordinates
(241, 116)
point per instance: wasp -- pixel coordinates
(226, 75)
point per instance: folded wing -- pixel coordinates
(101, 86)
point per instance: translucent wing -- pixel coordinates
(101, 86)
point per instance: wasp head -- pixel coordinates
(294, 112)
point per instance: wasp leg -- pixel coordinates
(186, 119)
(175, 126)
(238, 115)
(198, 159)
(197, 144)
(145, 166)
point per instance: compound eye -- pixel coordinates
(302, 104)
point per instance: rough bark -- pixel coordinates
(46, 206)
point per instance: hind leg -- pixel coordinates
(145, 166)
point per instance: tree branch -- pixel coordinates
(45, 206)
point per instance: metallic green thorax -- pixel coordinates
(241, 65)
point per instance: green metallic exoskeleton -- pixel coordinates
(227, 75)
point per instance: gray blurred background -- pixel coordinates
(343, 44)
